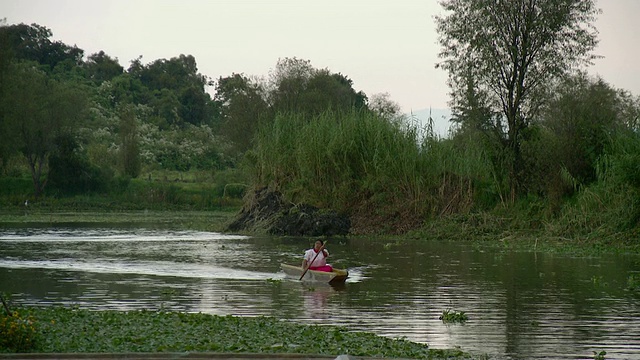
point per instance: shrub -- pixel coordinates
(18, 332)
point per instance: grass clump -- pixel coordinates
(452, 316)
(67, 330)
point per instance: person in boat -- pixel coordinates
(320, 254)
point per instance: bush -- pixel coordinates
(71, 172)
(18, 332)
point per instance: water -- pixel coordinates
(520, 305)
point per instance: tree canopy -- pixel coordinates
(58, 108)
(506, 53)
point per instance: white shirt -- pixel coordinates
(321, 260)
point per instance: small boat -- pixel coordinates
(336, 276)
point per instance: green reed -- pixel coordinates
(345, 160)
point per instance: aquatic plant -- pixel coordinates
(451, 316)
(599, 355)
(74, 330)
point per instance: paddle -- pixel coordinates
(314, 259)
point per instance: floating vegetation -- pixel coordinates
(451, 316)
(599, 355)
(73, 330)
(274, 281)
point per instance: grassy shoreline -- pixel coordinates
(187, 220)
(505, 237)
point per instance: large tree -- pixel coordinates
(584, 114)
(101, 67)
(5, 60)
(242, 107)
(33, 42)
(38, 109)
(296, 86)
(178, 75)
(510, 50)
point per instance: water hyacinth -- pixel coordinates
(73, 330)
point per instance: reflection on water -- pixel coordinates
(520, 305)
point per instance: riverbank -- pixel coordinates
(480, 230)
(214, 220)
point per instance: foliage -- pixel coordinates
(610, 206)
(451, 316)
(100, 67)
(129, 148)
(242, 108)
(70, 171)
(19, 331)
(384, 107)
(582, 114)
(503, 54)
(37, 110)
(64, 330)
(153, 138)
(295, 86)
(599, 355)
(33, 43)
(364, 165)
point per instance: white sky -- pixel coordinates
(383, 46)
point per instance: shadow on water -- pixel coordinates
(520, 305)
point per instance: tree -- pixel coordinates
(126, 89)
(194, 106)
(70, 170)
(37, 110)
(296, 86)
(101, 67)
(382, 105)
(5, 59)
(129, 144)
(33, 43)
(584, 114)
(326, 90)
(242, 108)
(180, 77)
(512, 49)
(287, 83)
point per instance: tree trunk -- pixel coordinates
(36, 163)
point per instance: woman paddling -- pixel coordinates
(316, 258)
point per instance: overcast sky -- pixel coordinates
(383, 46)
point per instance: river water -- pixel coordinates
(520, 304)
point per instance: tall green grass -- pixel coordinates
(610, 207)
(356, 160)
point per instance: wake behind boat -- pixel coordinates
(336, 276)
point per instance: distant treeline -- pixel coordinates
(76, 122)
(77, 125)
